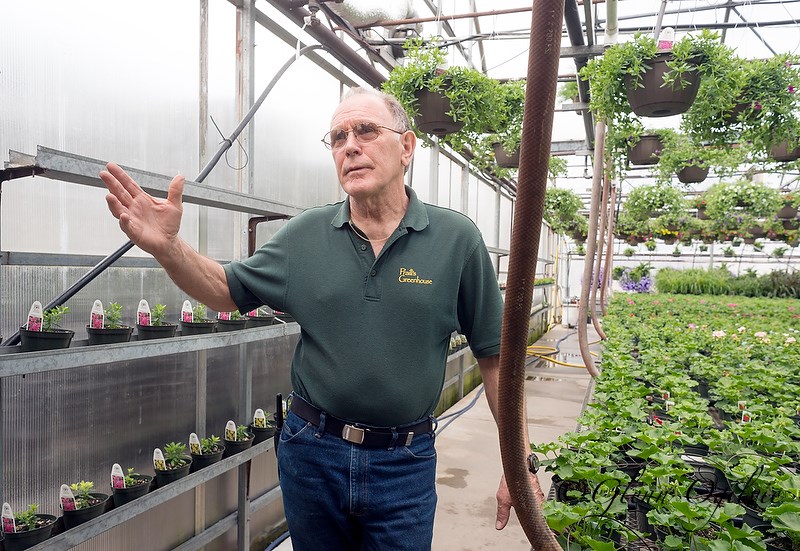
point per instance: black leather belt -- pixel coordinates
(370, 437)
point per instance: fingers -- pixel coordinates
(175, 192)
(124, 179)
(116, 188)
(503, 505)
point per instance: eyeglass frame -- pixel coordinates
(358, 139)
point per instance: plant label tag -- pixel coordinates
(230, 431)
(117, 478)
(253, 313)
(225, 316)
(665, 395)
(259, 419)
(158, 460)
(798, 410)
(742, 405)
(186, 312)
(9, 527)
(66, 498)
(666, 38)
(194, 444)
(97, 319)
(35, 317)
(746, 417)
(668, 405)
(143, 313)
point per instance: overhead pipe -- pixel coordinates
(537, 126)
(609, 264)
(226, 144)
(572, 21)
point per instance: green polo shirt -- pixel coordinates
(375, 333)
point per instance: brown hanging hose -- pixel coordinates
(609, 249)
(599, 281)
(543, 57)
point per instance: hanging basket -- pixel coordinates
(646, 150)
(432, 117)
(692, 174)
(503, 158)
(652, 98)
(780, 152)
(787, 212)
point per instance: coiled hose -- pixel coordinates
(545, 47)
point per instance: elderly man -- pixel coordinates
(377, 282)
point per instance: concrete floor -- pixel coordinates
(469, 466)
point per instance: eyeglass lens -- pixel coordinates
(364, 132)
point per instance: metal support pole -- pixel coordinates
(657, 30)
(433, 172)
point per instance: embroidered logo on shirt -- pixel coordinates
(408, 275)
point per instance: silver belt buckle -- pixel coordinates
(353, 434)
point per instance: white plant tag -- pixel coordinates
(194, 444)
(98, 318)
(742, 405)
(253, 313)
(666, 38)
(143, 313)
(35, 317)
(226, 316)
(668, 405)
(186, 312)
(259, 419)
(158, 460)
(117, 478)
(66, 498)
(230, 431)
(746, 417)
(9, 526)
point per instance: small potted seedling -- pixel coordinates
(237, 439)
(263, 426)
(230, 321)
(205, 451)
(194, 320)
(260, 317)
(151, 324)
(172, 464)
(80, 504)
(25, 529)
(41, 331)
(105, 325)
(129, 486)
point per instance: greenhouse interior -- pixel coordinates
(608, 188)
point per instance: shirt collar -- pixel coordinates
(416, 216)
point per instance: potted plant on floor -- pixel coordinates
(263, 426)
(25, 529)
(237, 439)
(230, 321)
(128, 487)
(205, 451)
(194, 321)
(80, 504)
(172, 464)
(105, 326)
(41, 331)
(152, 324)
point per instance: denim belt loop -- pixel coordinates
(321, 427)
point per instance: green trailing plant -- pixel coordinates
(561, 208)
(556, 167)
(174, 453)
(112, 315)
(680, 151)
(157, 314)
(538, 282)
(740, 204)
(210, 444)
(81, 491)
(629, 251)
(51, 318)
(568, 91)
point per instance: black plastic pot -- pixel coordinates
(652, 98)
(171, 475)
(432, 116)
(503, 158)
(198, 327)
(563, 486)
(230, 325)
(260, 321)
(124, 495)
(23, 540)
(261, 434)
(692, 174)
(646, 150)
(286, 318)
(108, 336)
(780, 152)
(232, 448)
(79, 516)
(147, 332)
(206, 459)
(34, 341)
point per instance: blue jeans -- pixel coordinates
(342, 496)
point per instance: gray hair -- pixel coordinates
(395, 108)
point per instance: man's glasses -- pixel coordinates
(363, 131)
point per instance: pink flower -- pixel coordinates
(790, 340)
(756, 105)
(692, 326)
(760, 335)
(742, 329)
(718, 334)
(791, 308)
(791, 89)
(732, 305)
(631, 302)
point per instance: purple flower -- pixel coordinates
(756, 105)
(791, 89)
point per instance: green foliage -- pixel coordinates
(27, 519)
(242, 433)
(539, 281)
(210, 444)
(157, 314)
(568, 91)
(235, 315)
(52, 317)
(680, 151)
(174, 455)
(617, 271)
(112, 315)
(132, 478)
(557, 167)
(719, 281)
(629, 251)
(199, 312)
(561, 208)
(81, 491)
(741, 203)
